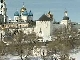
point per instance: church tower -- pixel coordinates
(16, 16)
(3, 10)
(30, 15)
(23, 13)
(66, 21)
(22, 9)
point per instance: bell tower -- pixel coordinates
(3, 10)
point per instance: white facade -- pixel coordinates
(24, 18)
(65, 22)
(27, 30)
(30, 17)
(44, 29)
(16, 18)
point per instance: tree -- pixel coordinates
(23, 42)
(2, 48)
(19, 36)
(66, 41)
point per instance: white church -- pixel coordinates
(43, 27)
(23, 20)
(23, 15)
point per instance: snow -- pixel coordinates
(76, 56)
(11, 57)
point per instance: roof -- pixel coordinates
(25, 13)
(23, 9)
(16, 13)
(44, 18)
(65, 18)
(30, 13)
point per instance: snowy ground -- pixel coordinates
(10, 57)
(76, 56)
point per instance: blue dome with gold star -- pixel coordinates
(30, 13)
(25, 13)
(16, 13)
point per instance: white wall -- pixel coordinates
(46, 29)
(16, 18)
(30, 17)
(27, 30)
(24, 18)
(44, 26)
(65, 22)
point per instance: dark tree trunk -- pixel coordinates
(21, 57)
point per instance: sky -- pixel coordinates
(39, 7)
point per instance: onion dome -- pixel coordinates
(25, 13)
(23, 8)
(16, 13)
(30, 13)
(65, 16)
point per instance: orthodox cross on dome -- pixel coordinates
(65, 13)
(23, 4)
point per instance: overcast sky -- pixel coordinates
(39, 7)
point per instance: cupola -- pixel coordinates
(23, 8)
(65, 16)
(16, 13)
(25, 13)
(30, 13)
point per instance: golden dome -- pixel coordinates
(23, 8)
